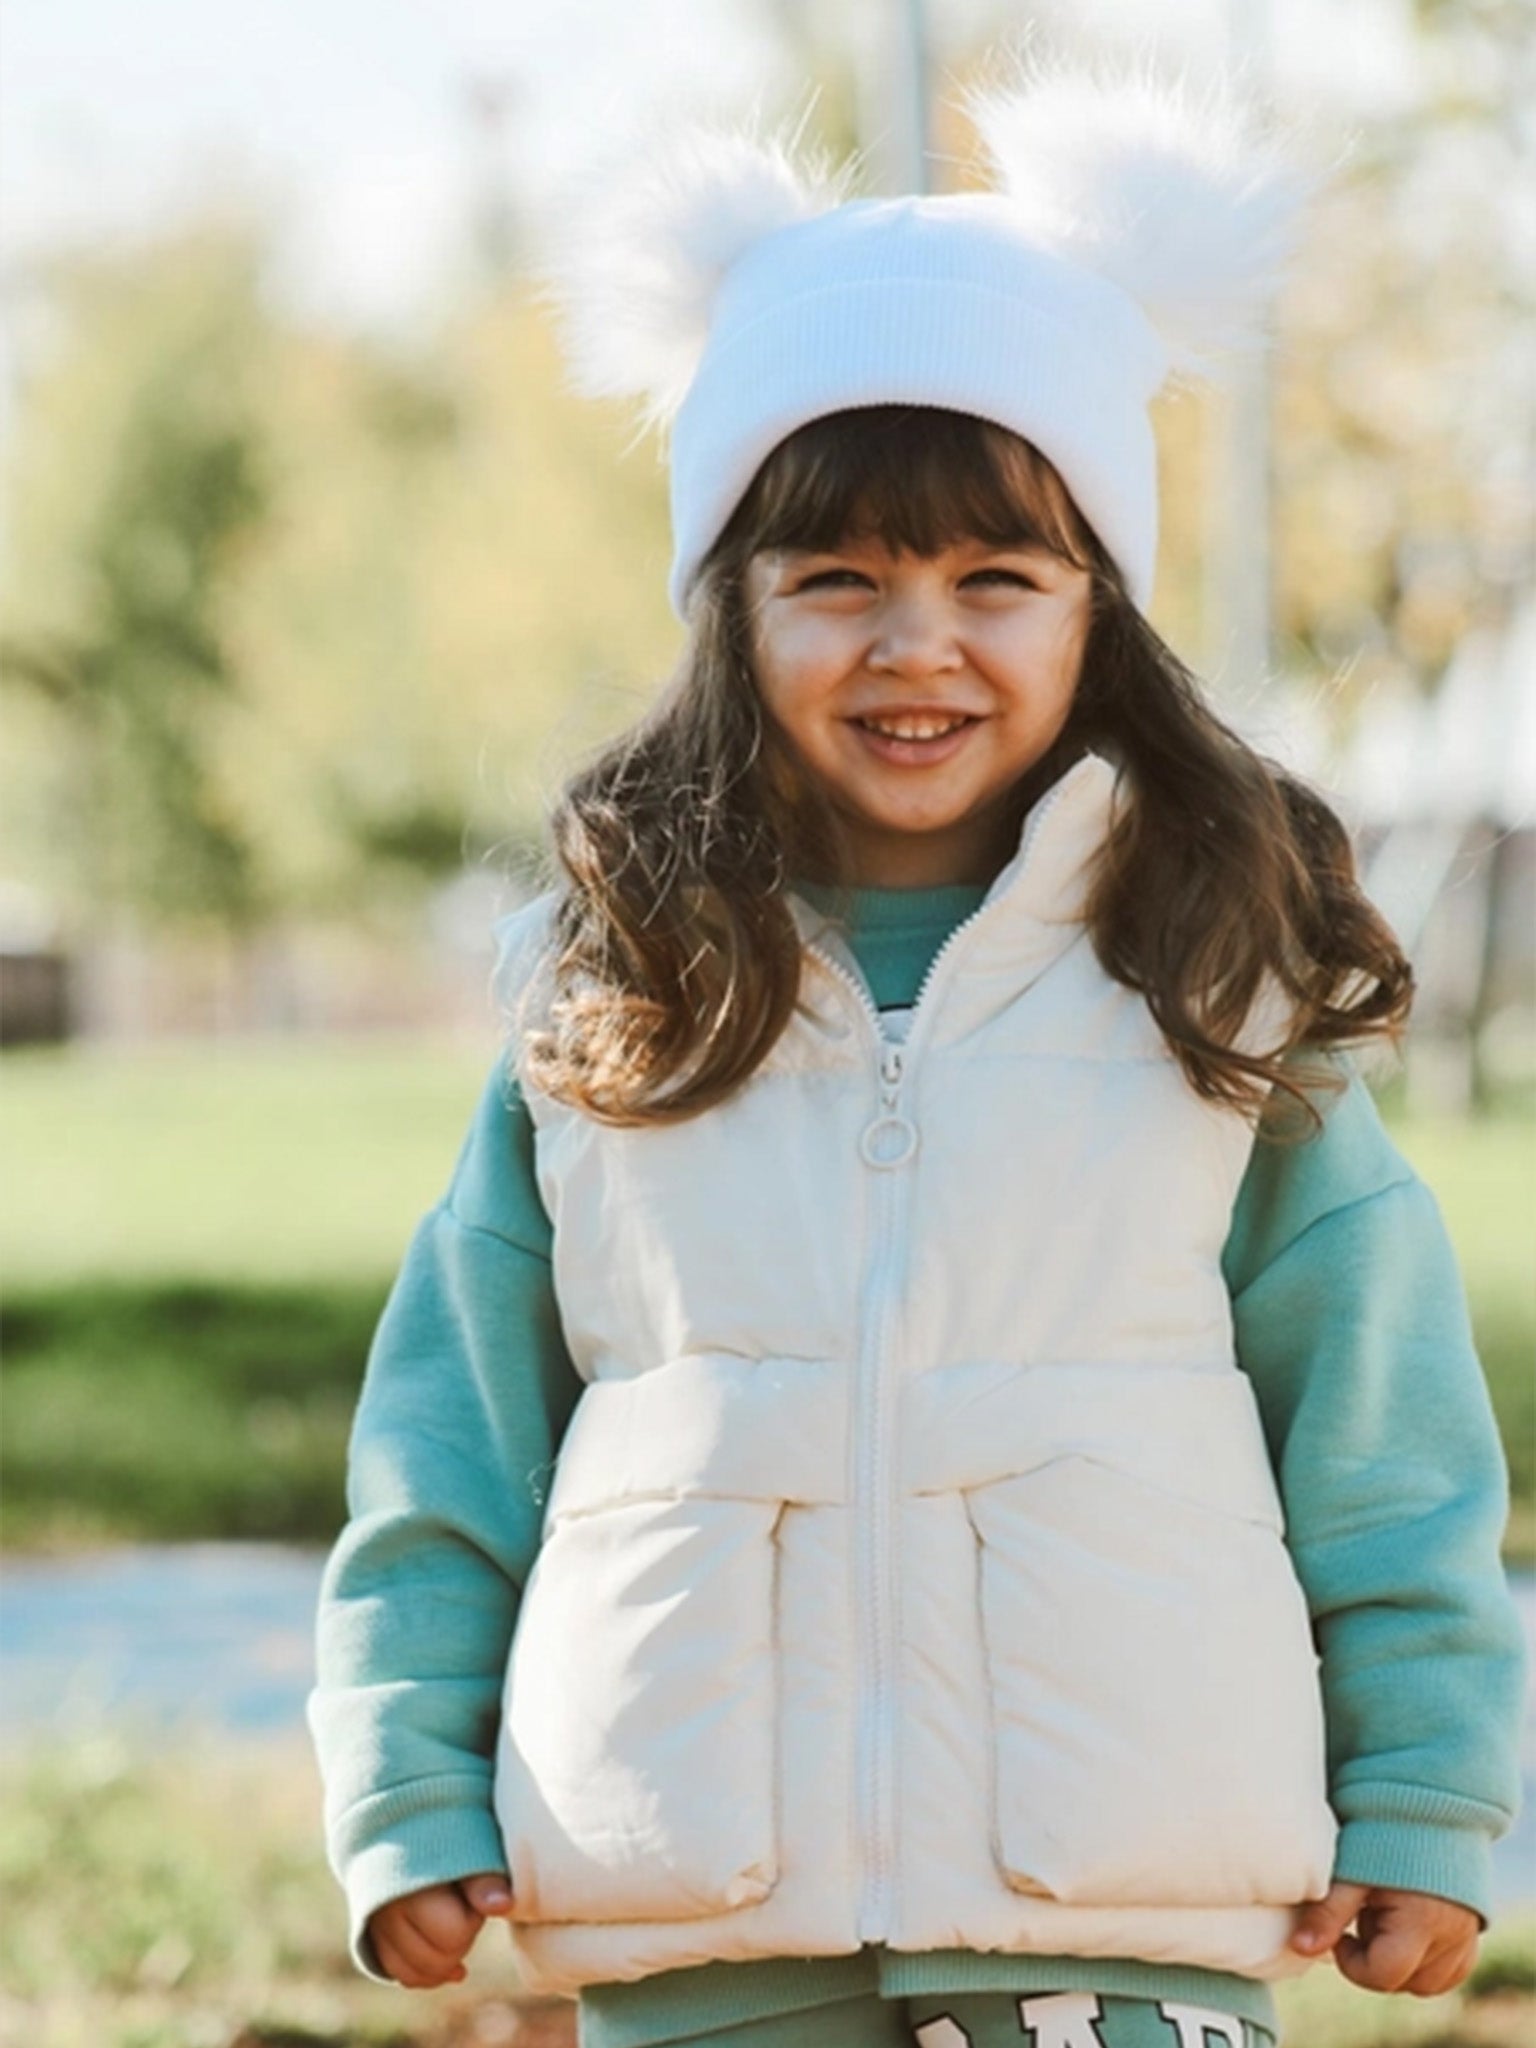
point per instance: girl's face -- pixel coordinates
(917, 690)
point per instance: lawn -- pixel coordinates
(197, 1240)
(156, 1899)
(274, 1160)
(180, 1900)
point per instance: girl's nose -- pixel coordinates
(914, 635)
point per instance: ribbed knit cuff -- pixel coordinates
(446, 1831)
(1450, 1863)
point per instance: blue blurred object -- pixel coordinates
(165, 1637)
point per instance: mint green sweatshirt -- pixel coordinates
(1350, 1318)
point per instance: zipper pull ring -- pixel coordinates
(891, 1139)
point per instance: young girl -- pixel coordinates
(927, 1481)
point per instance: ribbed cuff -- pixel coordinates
(437, 1844)
(1450, 1863)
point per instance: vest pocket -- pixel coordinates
(636, 1774)
(1156, 1719)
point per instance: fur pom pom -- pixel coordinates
(634, 284)
(1179, 194)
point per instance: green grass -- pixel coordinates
(1483, 1173)
(197, 1240)
(262, 1159)
(178, 1411)
(154, 1900)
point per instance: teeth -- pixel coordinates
(914, 728)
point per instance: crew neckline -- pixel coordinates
(874, 909)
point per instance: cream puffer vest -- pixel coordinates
(912, 1570)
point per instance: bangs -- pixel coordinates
(917, 478)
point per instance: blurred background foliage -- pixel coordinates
(294, 621)
(1403, 427)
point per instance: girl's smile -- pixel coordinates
(918, 690)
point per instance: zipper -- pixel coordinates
(879, 1390)
(888, 1142)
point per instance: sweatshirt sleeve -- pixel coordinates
(466, 1394)
(1351, 1320)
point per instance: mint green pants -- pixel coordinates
(994, 2019)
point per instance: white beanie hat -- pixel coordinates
(1136, 228)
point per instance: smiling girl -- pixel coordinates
(927, 1481)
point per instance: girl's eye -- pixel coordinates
(1007, 576)
(832, 576)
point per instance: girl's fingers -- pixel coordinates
(1443, 1972)
(423, 1958)
(1322, 1922)
(393, 1963)
(1348, 1952)
(1383, 1961)
(444, 1919)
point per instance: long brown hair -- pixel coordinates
(676, 963)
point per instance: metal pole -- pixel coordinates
(1240, 625)
(913, 75)
(893, 102)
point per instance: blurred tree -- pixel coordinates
(136, 484)
(1406, 391)
(464, 589)
(295, 621)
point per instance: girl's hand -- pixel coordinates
(422, 1938)
(1405, 1941)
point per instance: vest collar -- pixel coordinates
(1034, 908)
